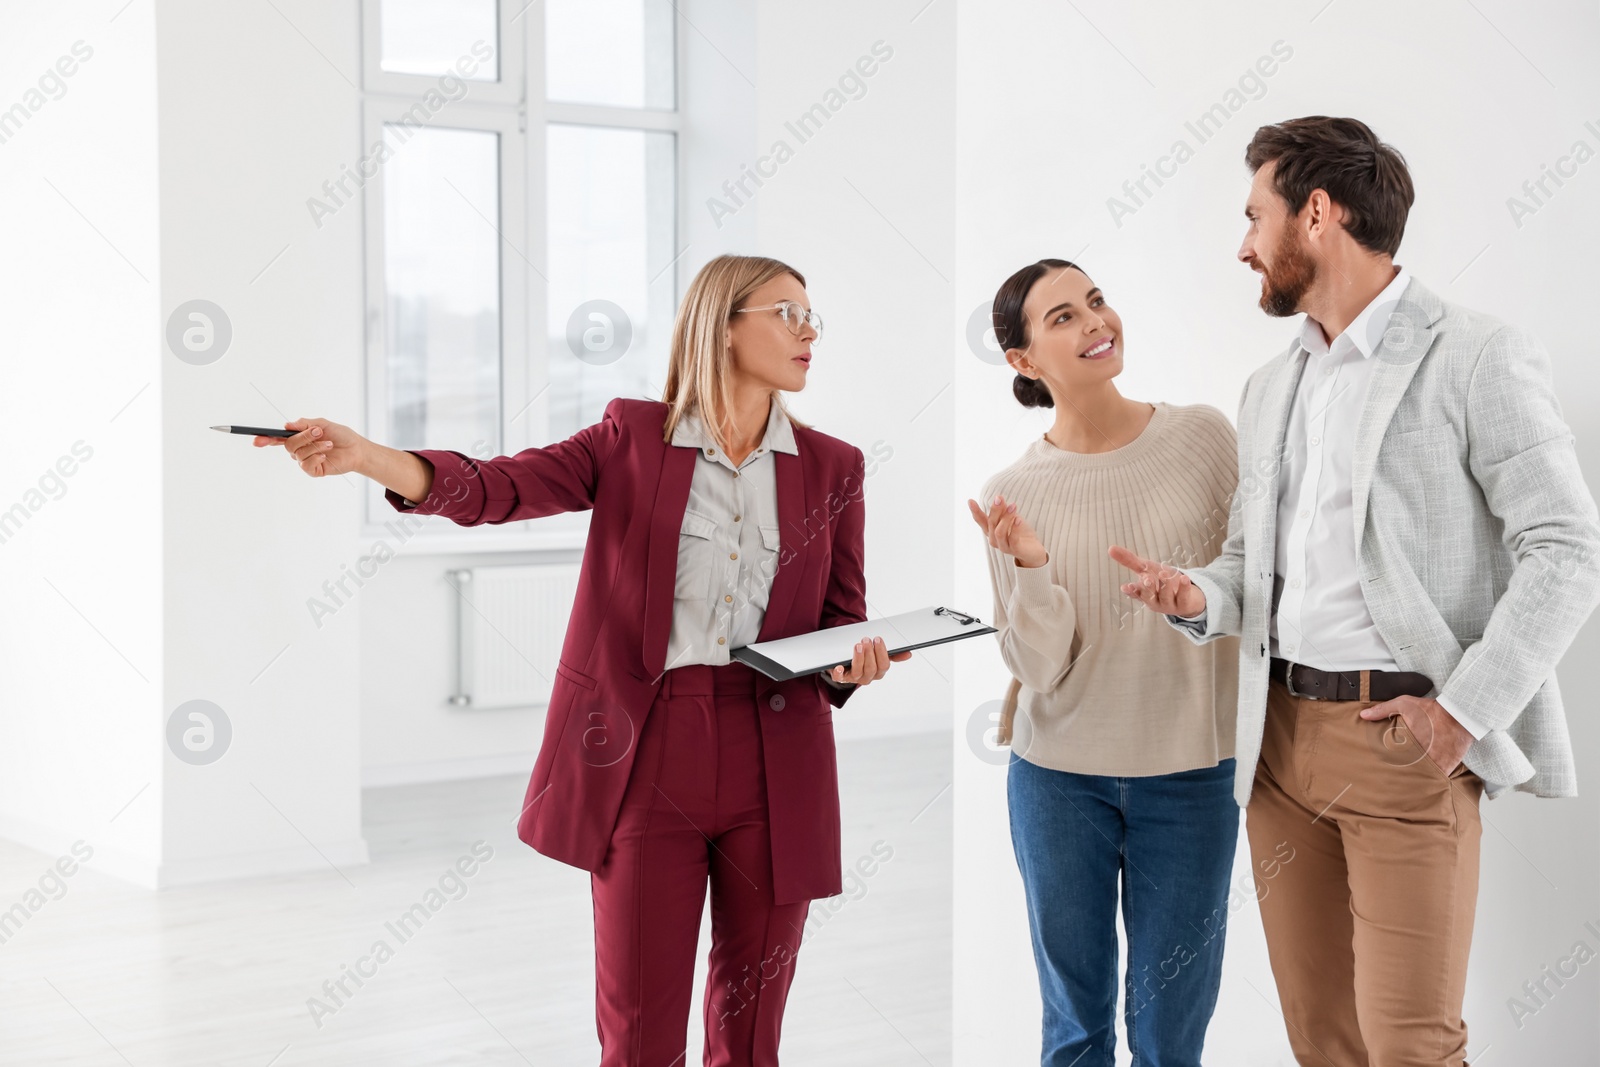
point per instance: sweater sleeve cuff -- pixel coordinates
(1034, 587)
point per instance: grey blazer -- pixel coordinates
(1476, 535)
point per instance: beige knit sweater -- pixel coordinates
(1101, 684)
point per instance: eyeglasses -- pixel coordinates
(793, 315)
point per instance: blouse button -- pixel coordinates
(736, 518)
(722, 640)
(733, 555)
(729, 599)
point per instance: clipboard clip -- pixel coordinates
(966, 620)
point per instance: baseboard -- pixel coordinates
(150, 872)
(332, 858)
(866, 726)
(52, 843)
(266, 863)
(448, 770)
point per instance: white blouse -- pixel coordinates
(728, 543)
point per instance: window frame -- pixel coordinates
(521, 116)
(509, 218)
(507, 89)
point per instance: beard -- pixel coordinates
(1293, 273)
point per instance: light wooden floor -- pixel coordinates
(220, 974)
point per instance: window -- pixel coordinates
(611, 132)
(442, 319)
(520, 173)
(424, 37)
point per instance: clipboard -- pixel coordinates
(822, 650)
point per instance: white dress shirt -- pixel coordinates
(1319, 614)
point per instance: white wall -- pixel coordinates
(252, 121)
(82, 678)
(863, 210)
(1054, 115)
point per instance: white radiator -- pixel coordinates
(510, 622)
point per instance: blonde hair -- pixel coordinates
(701, 364)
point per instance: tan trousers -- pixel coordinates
(1369, 917)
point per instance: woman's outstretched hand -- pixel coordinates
(321, 447)
(1008, 531)
(869, 663)
(1162, 587)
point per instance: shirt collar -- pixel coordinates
(1360, 331)
(778, 436)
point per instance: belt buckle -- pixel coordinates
(1288, 680)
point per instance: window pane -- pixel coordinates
(611, 231)
(441, 266)
(429, 36)
(613, 52)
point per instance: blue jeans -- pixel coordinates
(1170, 838)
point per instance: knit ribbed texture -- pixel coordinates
(1102, 684)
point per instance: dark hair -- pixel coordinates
(1343, 156)
(1011, 325)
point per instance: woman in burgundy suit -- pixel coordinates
(718, 520)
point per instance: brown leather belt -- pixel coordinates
(1305, 681)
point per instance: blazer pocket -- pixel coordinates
(1401, 429)
(1432, 436)
(575, 676)
(694, 557)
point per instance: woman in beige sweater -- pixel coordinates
(1121, 729)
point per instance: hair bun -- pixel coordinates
(1031, 393)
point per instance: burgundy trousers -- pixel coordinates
(694, 813)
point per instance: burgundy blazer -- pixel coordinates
(611, 661)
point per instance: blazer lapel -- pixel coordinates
(1407, 335)
(661, 564)
(1273, 421)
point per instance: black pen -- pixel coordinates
(258, 431)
